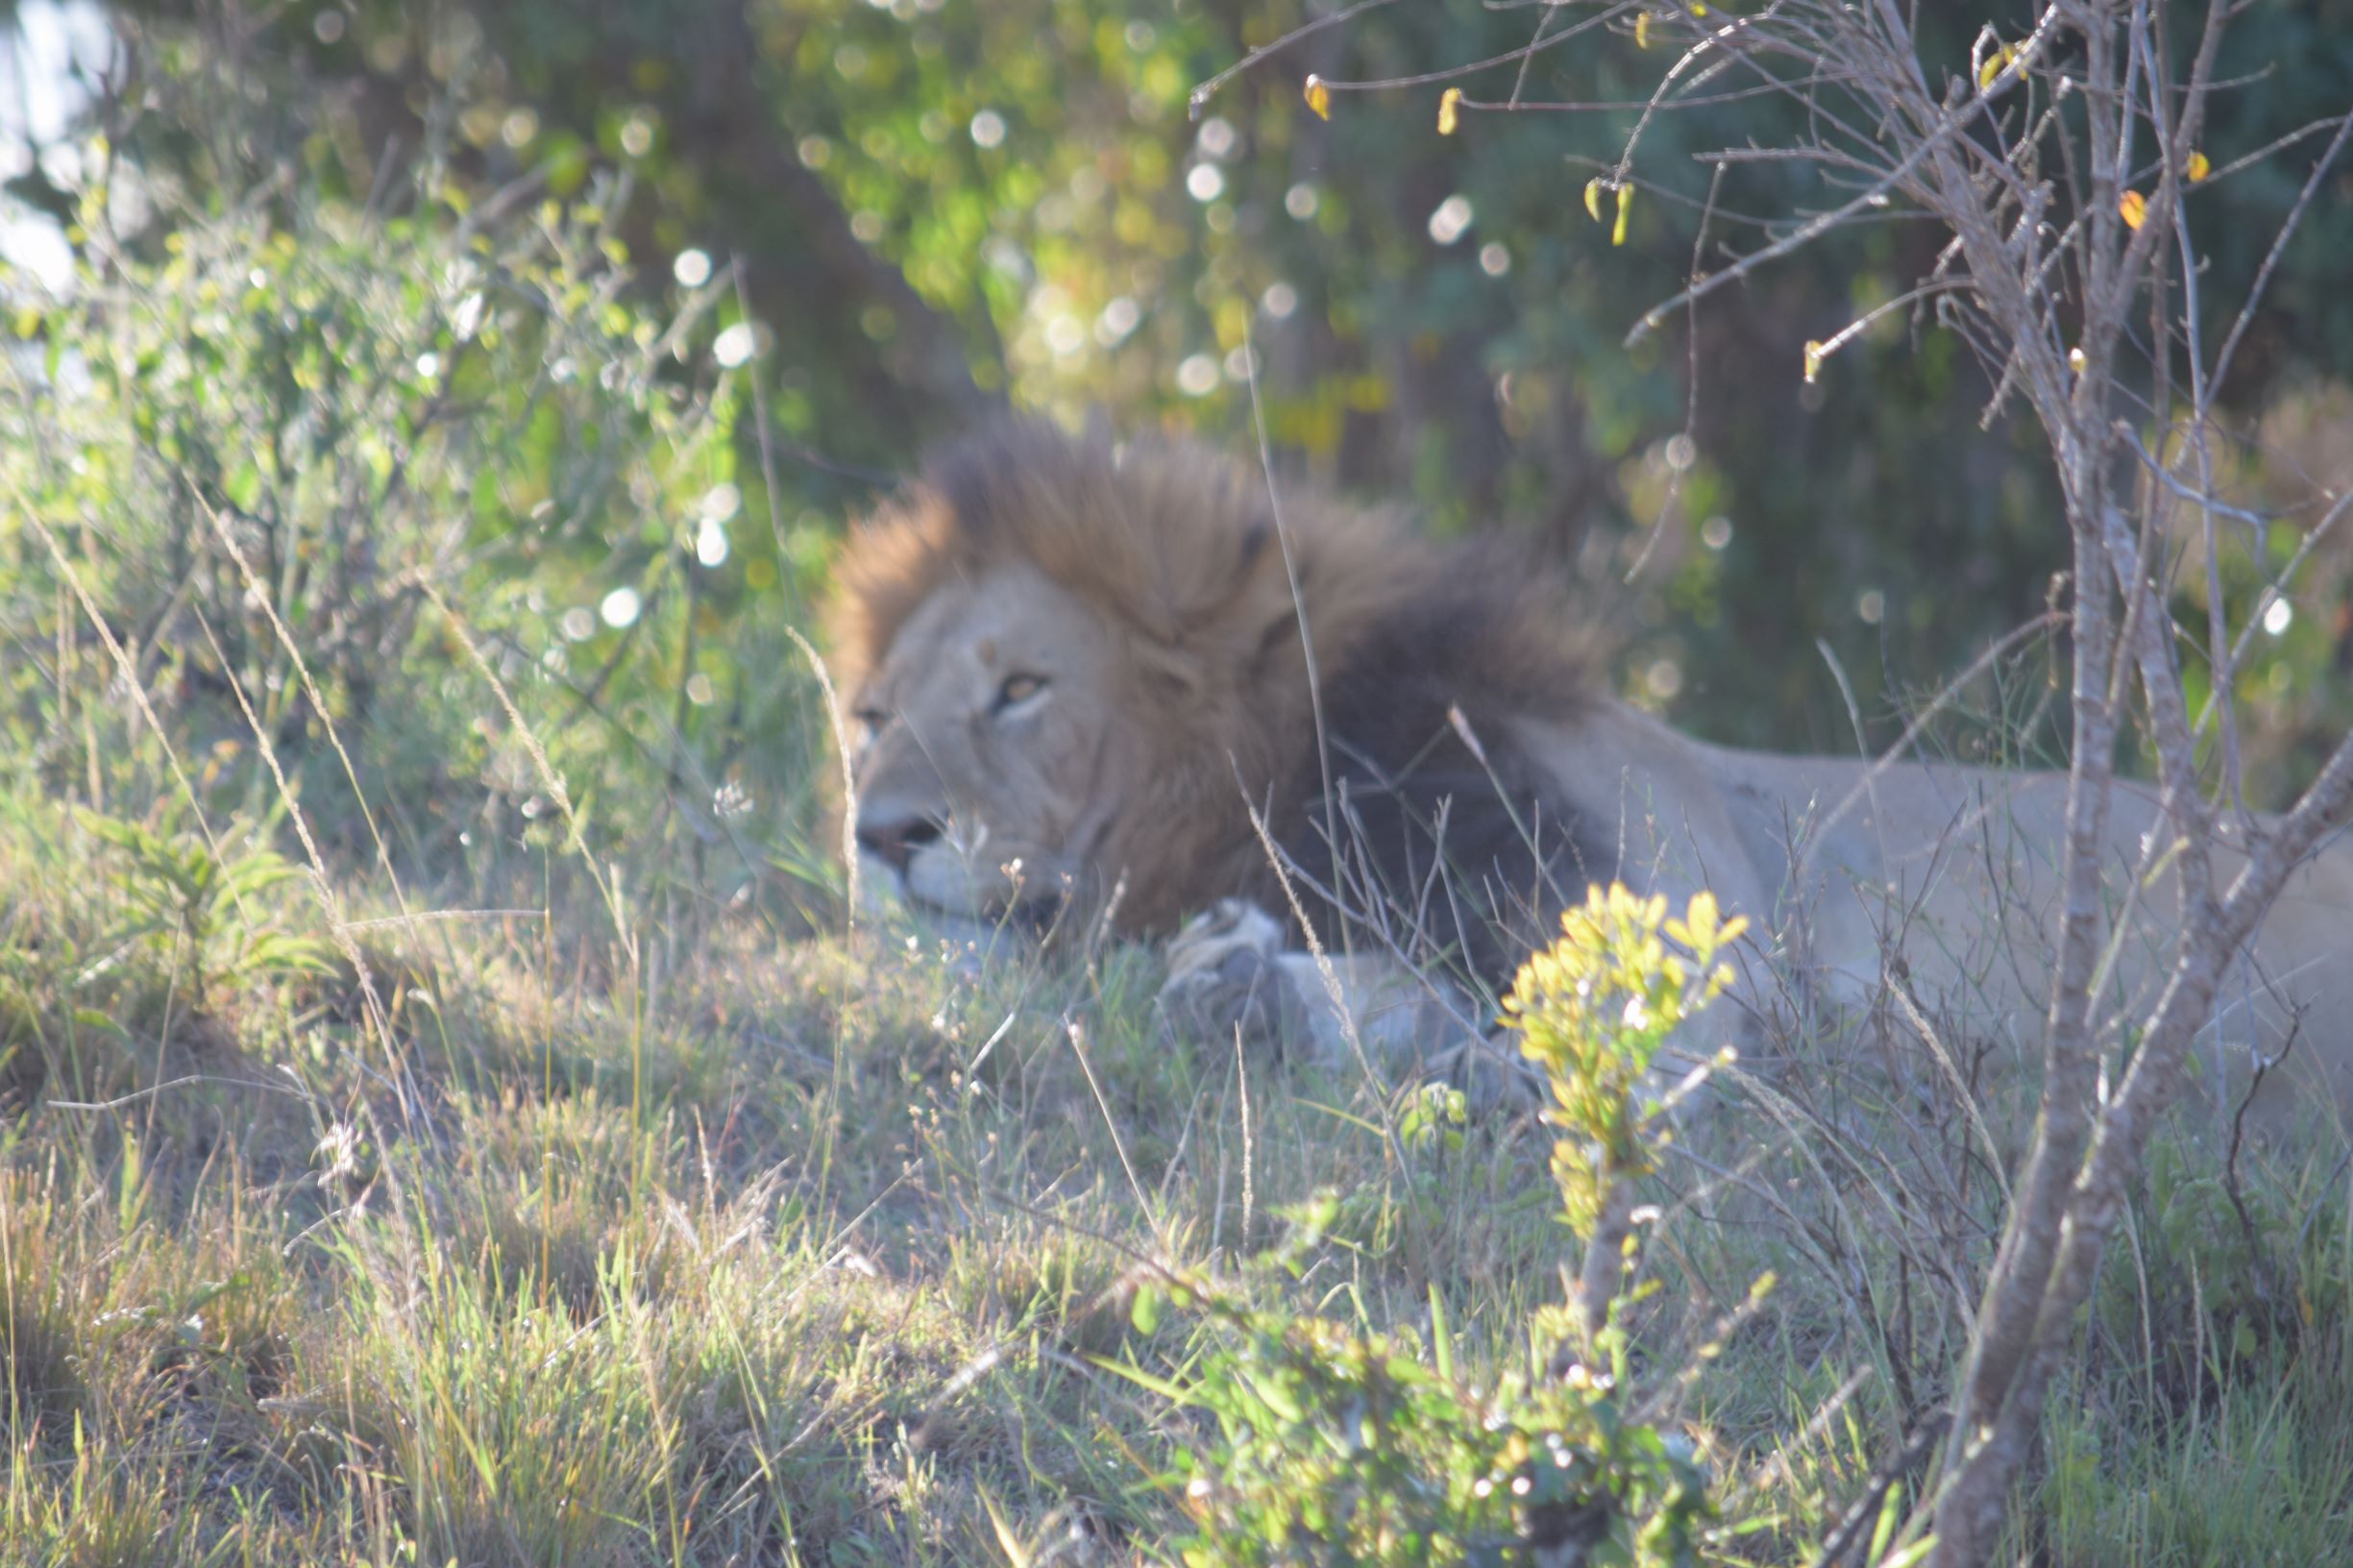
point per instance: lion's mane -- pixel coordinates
(1426, 655)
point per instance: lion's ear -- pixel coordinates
(1206, 594)
(1257, 534)
(1173, 674)
(1251, 565)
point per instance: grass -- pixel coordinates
(759, 1251)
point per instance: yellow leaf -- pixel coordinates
(1995, 63)
(1448, 102)
(1593, 199)
(1617, 229)
(2074, 360)
(2133, 206)
(1814, 351)
(1320, 97)
(1642, 30)
(2200, 168)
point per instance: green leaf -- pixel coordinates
(243, 487)
(1181, 1397)
(1891, 1515)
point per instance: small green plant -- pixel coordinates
(1592, 1014)
(1334, 1445)
(208, 905)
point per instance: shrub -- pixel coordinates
(293, 422)
(1331, 1445)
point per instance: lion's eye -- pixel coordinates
(1017, 689)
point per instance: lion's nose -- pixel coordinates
(895, 836)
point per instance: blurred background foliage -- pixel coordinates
(595, 318)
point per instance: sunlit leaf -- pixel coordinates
(2074, 360)
(1814, 351)
(1996, 61)
(1642, 30)
(1320, 97)
(1626, 200)
(2200, 168)
(2134, 208)
(1593, 198)
(1448, 104)
(243, 487)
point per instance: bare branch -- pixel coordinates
(2279, 243)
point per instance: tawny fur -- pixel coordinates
(1218, 598)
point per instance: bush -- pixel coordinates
(298, 424)
(1337, 1446)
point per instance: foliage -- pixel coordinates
(208, 906)
(1592, 1013)
(292, 454)
(1336, 1445)
(936, 205)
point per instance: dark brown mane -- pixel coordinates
(1181, 549)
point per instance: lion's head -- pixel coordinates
(1072, 667)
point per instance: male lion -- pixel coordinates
(1140, 680)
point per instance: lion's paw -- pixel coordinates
(1230, 927)
(1225, 977)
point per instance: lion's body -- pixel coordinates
(1123, 675)
(1928, 896)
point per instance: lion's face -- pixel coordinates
(990, 761)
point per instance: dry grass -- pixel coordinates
(837, 1289)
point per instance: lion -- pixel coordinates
(1140, 680)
